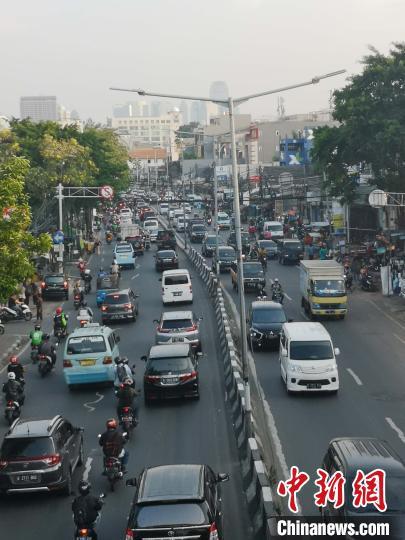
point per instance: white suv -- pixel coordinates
(176, 286)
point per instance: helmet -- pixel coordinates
(58, 310)
(80, 260)
(124, 359)
(87, 271)
(37, 327)
(11, 376)
(118, 361)
(276, 280)
(128, 382)
(46, 337)
(111, 423)
(84, 487)
(13, 360)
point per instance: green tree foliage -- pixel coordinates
(17, 245)
(371, 112)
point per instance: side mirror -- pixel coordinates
(199, 354)
(337, 351)
(155, 321)
(222, 477)
(102, 496)
(144, 358)
(290, 320)
(99, 435)
(200, 318)
(131, 482)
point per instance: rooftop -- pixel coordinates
(172, 482)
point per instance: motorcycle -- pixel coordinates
(277, 296)
(84, 318)
(1, 328)
(45, 364)
(113, 470)
(127, 420)
(87, 287)
(23, 314)
(88, 533)
(348, 281)
(367, 284)
(209, 221)
(77, 301)
(34, 353)
(60, 333)
(12, 411)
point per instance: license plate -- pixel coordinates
(89, 362)
(115, 316)
(314, 386)
(127, 418)
(174, 339)
(330, 311)
(170, 380)
(177, 293)
(27, 478)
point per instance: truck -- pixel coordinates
(323, 290)
(130, 231)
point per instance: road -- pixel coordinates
(187, 432)
(371, 399)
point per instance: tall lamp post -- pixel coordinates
(230, 103)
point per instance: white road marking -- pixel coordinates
(87, 469)
(400, 339)
(355, 377)
(137, 266)
(89, 404)
(19, 353)
(392, 424)
(135, 276)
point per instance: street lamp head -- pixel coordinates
(315, 80)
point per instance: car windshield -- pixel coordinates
(118, 298)
(123, 249)
(293, 245)
(176, 280)
(160, 515)
(311, 350)
(332, 287)
(267, 244)
(224, 217)
(210, 240)
(175, 324)
(54, 279)
(227, 254)
(394, 492)
(168, 365)
(198, 228)
(26, 447)
(252, 269)
(170, 254)
(86, 344)
(275, 228)
(264, 316)
(151, 223)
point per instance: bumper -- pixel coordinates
(175, 392)
(88, 375)
(170, 299)
(55, 292)
(266, 340)
(253, 284)
(197, 239)
(167, 266)
(328, 312)
(162, 340)
(48, 481)
(224, 267)
(117, 317)
(306, 382)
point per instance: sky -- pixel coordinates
(77, 49)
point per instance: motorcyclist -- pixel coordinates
(87, 278)
(81, 265)
(60, 320)
(112, 442)
(36, 336)
(115, 269)
(13, 389)
(86, 508)
(262, 254)
(85, 314)
(277, 290)
(48, 349)
(15, 304)
(15, 367)
(126, 395)
(253, 254)
(78, 291)
(122, 371)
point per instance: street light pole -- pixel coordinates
(59, 196)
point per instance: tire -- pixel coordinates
(81, 455)
(28, 316)
(1, 330)
(67, 490)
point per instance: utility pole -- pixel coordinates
(216, 210)
(59, 196)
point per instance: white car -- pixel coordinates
(151, 226)
(164, 208)
(223, 220)
(176, 286)
(307, 358)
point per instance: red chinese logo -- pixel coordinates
(292, 486)
(331, 489)
(370, 489)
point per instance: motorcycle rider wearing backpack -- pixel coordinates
(86, 509)
(13, 389)
(122, 372)
(36, 336)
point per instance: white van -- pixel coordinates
(223, 220)
(179, 224)
(152, 227)
(308, 358)
(272, 230)
(176, 286)
(164, 208)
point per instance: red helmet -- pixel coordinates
(112, 423)
(13, 360)
(58, 310)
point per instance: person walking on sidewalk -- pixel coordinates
(28, 291)
(39, 307)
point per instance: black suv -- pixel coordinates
(166, 259)
(264, 323)
(197, 233)
(177, 501)
(245, 241)
(290, 251)
(166, 239)
(209, 245)
(253, 276)
(119, 305)
(40, 455)
(55, 285)
(226, 257)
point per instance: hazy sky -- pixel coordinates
(76, 49)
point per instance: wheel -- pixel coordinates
(81, 455)
(1, 330)
(28, 316)
(67, 490)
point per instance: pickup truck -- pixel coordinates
(253, 276)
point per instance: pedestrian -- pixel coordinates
(356, 266)
(310, 252)
(28, 292)
(39, 307)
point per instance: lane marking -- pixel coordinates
(137, 266)
(135, 276)
(392, 424)
(400, 339)
(355, 377)
(18, 353)
(89, 404)
(87, 469)
(385, 314)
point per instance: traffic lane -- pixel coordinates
(176, 432)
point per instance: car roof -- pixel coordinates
(90, 330)
(175, 315)
(226, 248)
(367, 453)
(267, 304)
(172, 483)
(175, 272)
(168, 351)
(119, 291)
(306, 331)
(292, 241)
(34, 427)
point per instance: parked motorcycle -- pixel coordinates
(8, 314)
(1, 328)
(12, 411)
(45, 364)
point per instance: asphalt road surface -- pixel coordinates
(174, 432)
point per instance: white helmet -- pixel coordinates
(11, 376)
(87, 271)
(276, 280)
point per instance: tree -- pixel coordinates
(17, 245)
(371, 112)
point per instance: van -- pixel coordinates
(223, 220)
(307, 358)
(176, 286)
(89, 355)
(152, 227)
(124, 255)
(164, 208)
(272, 230)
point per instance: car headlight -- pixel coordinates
(331, 368)
(255, 333)
(295, 369)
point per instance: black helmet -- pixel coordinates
(124, 359)
(84, 487)
(37, 327)
(118, 360)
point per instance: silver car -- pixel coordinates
(179, 327)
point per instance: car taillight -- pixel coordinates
(3, 464)
(125, 409)
(10, 403)
(107, 360)
(213, 532)
(191, 288)
(192, 328)
(128, 306)
(163, 290)
(53, 459)
(67, 363)
(152, 378)
(129, 535)
(188, 376)
(43, 284)
(83, 532)
(65, 284)
(103, 308)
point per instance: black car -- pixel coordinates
(40, 455)
(269, 246)
(264, 323)
(290, 251)
(165, 260)
(194, 221)
(166, 239)
(226, 256)
(171, 371)
(197, 233)
(209, 245)
(245, 241)
(119, 305)
(177, 501)
(55, 285)
(253, 276)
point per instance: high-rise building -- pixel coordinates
(219, 90)
(198, 112)
(122, 111)
(184, 111)
(39, 108)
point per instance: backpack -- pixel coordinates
(122, 373)
(81, 517)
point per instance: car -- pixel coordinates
(270, 246)
(120, 305)
(290, 251)
(176, 286)
(165, 259)
(171, 371)
(245, 241)
(164, 208)
(264, 322)
(55, 285)
(272, 230)
(124, 255)
(223, 220)
(151, 226)
(178, 327)
(226, 256)
(253, 276)
(105, 284)
(40, 455)
(181, 500)
(209, 245)
(166, 239)
(197, 233)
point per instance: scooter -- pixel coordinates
(87, 287)
(12, 411)
(87, 533)
(34, 353)
(127, 420)
(367, 284)
(45, 364)
(113, 468)
(77, 301)
(24, 314)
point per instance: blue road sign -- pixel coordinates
(58, 237)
